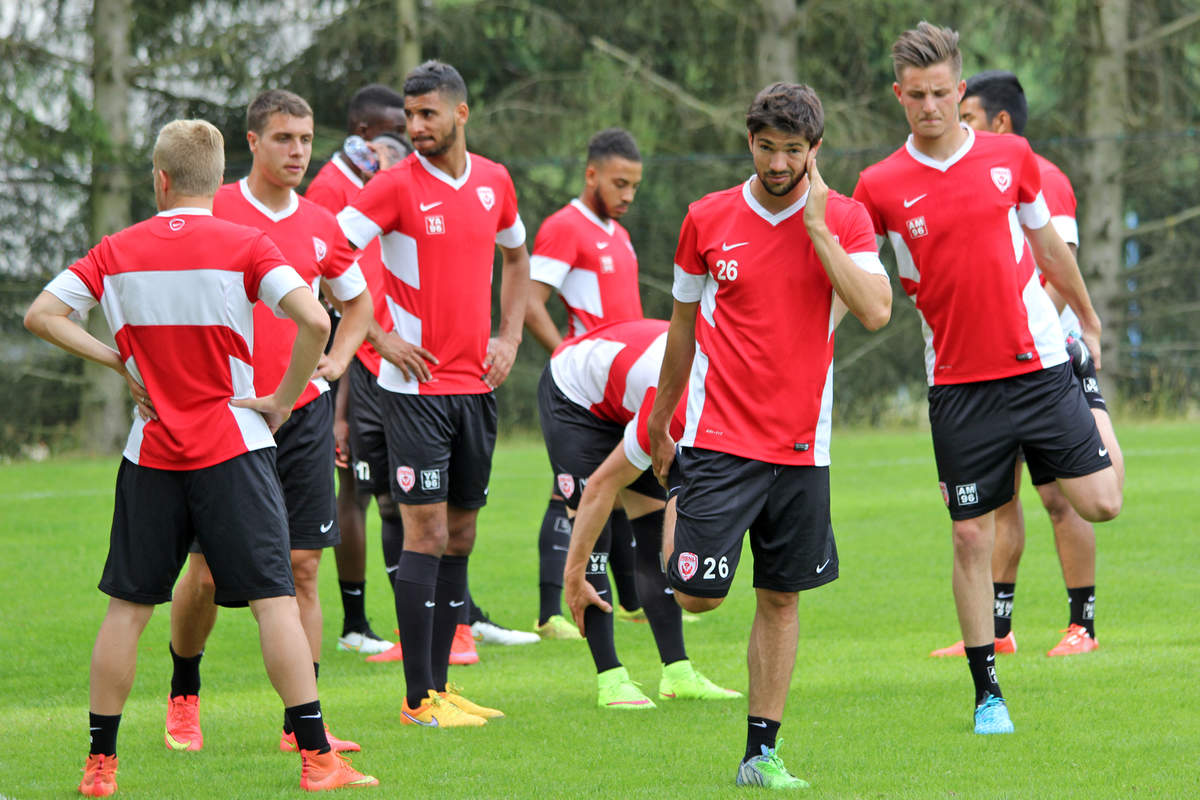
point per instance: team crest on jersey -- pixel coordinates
(1002, 177)
(406, 478)
(486, 196)
(566, 484)
(916, 227)
(319, 248)
(945, 493)
(688, 563)
(176, 223)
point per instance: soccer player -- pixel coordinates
(178, 292)
(593, 399)
(279, 127)
(440, 215)
(954, 203)
(375, 110)
(763, 273)
(582, 253)
(995, 101)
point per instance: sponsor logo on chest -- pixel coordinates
(606, 264)
(435, 224)
(916, 227)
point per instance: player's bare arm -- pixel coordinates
(537, 317)
(49, 318)
(1057, 263)
(357, 313)
(514, 293)
(411, 359)
(866, 295)
(302, 307)
(1055, 297)
(341, 427)
(672, 381)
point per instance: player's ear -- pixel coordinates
(589, 175)
(750, 141)
(252, 140)
(962, 89)
(462, 113)
(815, 147)
(896, 90)
(1002, 122)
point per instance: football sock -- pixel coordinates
(598, 625)
(623, 561)
(354, 612)
(416, 583)
(474, 612)
(662, 612)
(450, 596)
(982, 662)
(185, 673)
(1083, 608)
(553, 541)
(309, 726)
(759, 731)
(287, 720)
(103, 733)
(391, 534)
(1003, 598)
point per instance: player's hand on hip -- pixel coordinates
(662, 454)
(501, 353)
(328, 368)
(580, 594)
(411, 359)
(1091, 338)
(272, 410)
(818, 193)
(145, 408)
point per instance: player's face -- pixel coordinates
(613, 182)
(433, 122)
(971, 111)
(930, 97)
(283, 149)
(779, 159)
(388, 121)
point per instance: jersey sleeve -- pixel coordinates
(374, 210)
(857, 238)
(1060, 199)
(636, 441)
(268, 277)
(510, 229)
(1032, 210)
(863, 195)
(554, 252)
(691, 273)
(81, 285)
(340, 268)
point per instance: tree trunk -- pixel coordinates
(1103, 212)
(104, 417)
(777, 42)
(408, 51)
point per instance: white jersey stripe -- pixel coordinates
(824, 422)
(358, 227)
(513, 235)
(1067, 228)
(633, 450)
(1044, 325)
(906, 267)
(687, 287)
(581, 290)
(349, 285)
(399, 251)
(275, 284)
(71, 289)
(868, 262)
(178, 297)
(585, 382)
(547, 270)
(695, 398)
(408, 326)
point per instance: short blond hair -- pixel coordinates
(925, 46)
(192, 153)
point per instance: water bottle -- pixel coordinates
(363, 157)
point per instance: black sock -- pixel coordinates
(185, 674)
(102, 731)
(391, 534)
(597, 625)
(623, 561)
(1083, 608)
(760, 732)
(450, 596)
(307, 721)
(287, 720)
(354, 612)
(1003, 594)
(982, 662)
(553, 541)
(416, 582)
(662, 612)
(474, 612)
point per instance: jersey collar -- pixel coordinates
(342, 166)
(757, 207)
(942, 166)
(274, 216)
(608, 227)
(199, 212)
(453, 183)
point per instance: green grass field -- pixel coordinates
(869, 715)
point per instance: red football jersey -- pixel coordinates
(592, 265)
(179, 291)
(761, 385)
(334, 187)
(439, 237)
(613, 372)
(313, 244)
(955, 226)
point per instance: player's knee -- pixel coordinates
(697, 605)
(305, 568)
(1057, 506)
(1106, 507)
(389, 510)
(970, 538)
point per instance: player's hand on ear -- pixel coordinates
(818, 192)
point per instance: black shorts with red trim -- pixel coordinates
(785, 509)
(233, 510)
(978, 427)
(440, 447)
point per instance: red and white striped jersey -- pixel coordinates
(955, 226)
(178, 291)
(313, 244)
(439, 237)
(334, 187)
(612, 371)
(761, 385)
(1060, 199)
(592, 265)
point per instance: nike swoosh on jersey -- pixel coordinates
(914, 201)
(728, 247)
(601, 245)
(427, 206)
